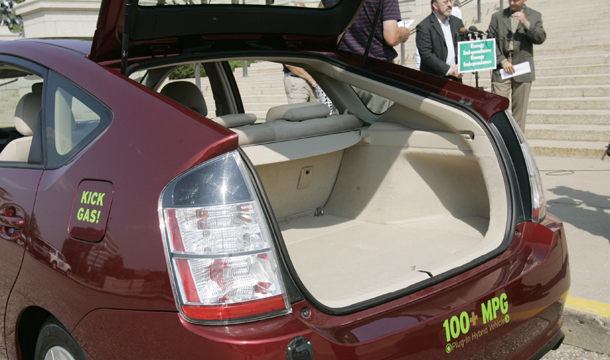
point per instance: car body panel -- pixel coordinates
(17, 191)
(411, 327)
(127, 139)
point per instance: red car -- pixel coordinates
(413, 230)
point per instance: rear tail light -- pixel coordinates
(537, 192)
(220, 252)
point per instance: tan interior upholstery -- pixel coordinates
(417, 201)
(297, 112)
(26, 116)
(189, 95)
(293, 121)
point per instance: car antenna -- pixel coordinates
(125, 45)
(373, 31)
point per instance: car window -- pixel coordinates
(20, 105)
(375, 103)
(73, 119)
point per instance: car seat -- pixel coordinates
(189, 95)
(26, 117)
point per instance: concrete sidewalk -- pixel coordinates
(577, 190)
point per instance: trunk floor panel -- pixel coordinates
(344, 261)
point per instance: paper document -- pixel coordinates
(406, 23)
(520, 69)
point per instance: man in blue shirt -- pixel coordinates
(387, 35)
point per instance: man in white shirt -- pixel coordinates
(456, 11)
(436, 38)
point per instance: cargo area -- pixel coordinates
(374, 210)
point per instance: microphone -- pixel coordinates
(472, 30)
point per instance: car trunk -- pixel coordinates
(375, 210)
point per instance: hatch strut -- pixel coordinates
(126, 29)
(373, 31)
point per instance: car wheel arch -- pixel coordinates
(29, 324)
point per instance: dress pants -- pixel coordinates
(519, 99)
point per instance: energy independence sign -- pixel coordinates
(476, 55)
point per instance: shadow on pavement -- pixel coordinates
(583, 209)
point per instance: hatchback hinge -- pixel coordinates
(125, 44)
(467, 103)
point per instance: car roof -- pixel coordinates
(157, 29)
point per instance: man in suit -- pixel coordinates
(436, 38)
(516, 29)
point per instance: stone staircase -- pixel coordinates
(569, 110)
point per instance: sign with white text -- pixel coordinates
(476, 55)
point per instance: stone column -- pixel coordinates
(75, 19)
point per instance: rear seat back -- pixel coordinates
(26, 117)
(295, 121)
(189, 95)
(283, 122)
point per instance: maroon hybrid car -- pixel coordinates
(406, 223)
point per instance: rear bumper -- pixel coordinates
(529, 283)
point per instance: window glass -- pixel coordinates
(74, 118)
(375, 103)
(20, 104)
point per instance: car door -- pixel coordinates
(19, 174)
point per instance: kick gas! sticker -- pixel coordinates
(90, 210)
(459, 329)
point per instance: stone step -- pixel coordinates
(263, 66)
(586, 117)
(264, 77)
(570, 80)
(591, 31)
(570, 91)
(572, 49)
(568, 132)
(586, 149)
(571, 60)
(273, 91)
(573, 70)
(267, 98)
(570, 103)
(568, 41)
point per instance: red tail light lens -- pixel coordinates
(220, 252)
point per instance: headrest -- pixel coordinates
(298, 112)
(37, 87)
(187, 94)
(28, 108)
(235, 120)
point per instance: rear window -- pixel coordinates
(74, 118)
